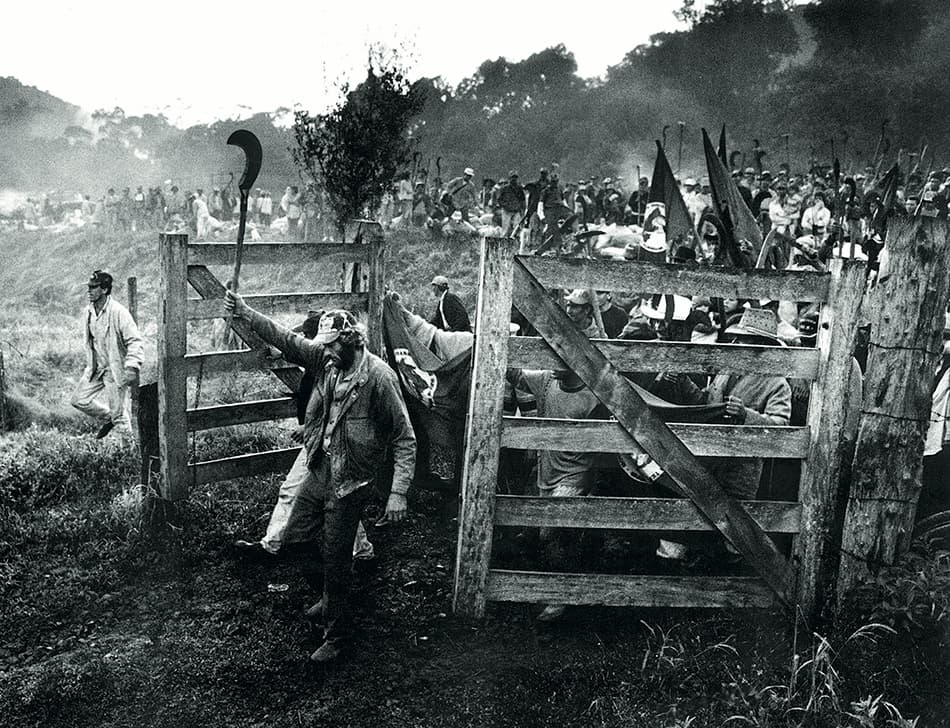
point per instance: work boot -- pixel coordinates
(316, 613)
(327, 652)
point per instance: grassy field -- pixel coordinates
(103, 624)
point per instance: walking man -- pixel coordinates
(355, 415)
(114, 353)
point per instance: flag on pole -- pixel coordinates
(730, 208)
(663, 188)
(721, 151)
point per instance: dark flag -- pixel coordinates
(721, 151)
(663, 188)
(741, 228)
(435, 391)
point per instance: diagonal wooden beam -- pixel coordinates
(208, 286)
(646, 427)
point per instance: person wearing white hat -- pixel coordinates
(693, 197)
(456, 224)
(462, 193)
(450, 313)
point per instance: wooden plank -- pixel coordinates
(3, 395)
(375, 290)
(668, 278)
(629, 590)
(906, 349)
(211, 308)
(242, 466)
(242, 360)
(543, 433)
(530, 352)
(205, 283)
(635, 514)
(827, 463)
(241, 413)
(483, 428)
(275, 253)
(646, 427)
(172, 374)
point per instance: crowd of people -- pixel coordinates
(816, 214)
(297, 212)
(352, 410)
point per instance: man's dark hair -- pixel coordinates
(103, 279)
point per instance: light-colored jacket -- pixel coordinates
(124, 342)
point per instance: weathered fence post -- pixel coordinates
(825, 469)
(133, 297)
(172, 374)
(3, 395)
(906, 344)
(376, 271)
(483, 428)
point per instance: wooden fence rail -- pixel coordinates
(184, 264)
(506, 279)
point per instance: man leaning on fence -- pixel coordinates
(355, 415)
(114, 353)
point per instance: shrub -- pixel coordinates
(42, 467)
(913, 595)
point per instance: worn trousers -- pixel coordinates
(285, 527)
(117, 405)
(331, 523)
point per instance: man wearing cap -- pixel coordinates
(462, 192)
(114, 353)
(450, 313)
(508, 200)
(578, 306)
(354, 418)
(284, 528)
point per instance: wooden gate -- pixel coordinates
(184, 264)
(522, 280)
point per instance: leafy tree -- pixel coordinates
(357, 148)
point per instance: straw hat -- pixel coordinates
(758, 322)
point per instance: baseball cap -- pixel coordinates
(441, 281)
(578, 297)
(332, 324)
(469, 171)
(100, 278)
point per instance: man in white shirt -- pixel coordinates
(114, 353)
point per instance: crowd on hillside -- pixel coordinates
(172, 209)
(814, 212)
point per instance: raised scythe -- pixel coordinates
(252, 166)
(679, 156)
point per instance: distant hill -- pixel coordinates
(25, 110)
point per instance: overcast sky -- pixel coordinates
(197, 61)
